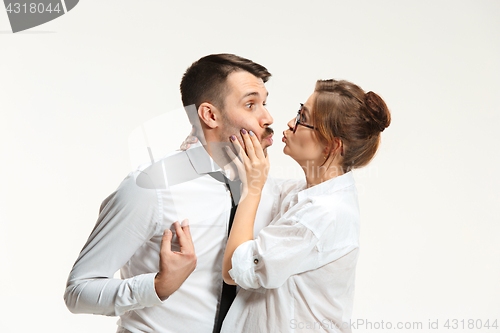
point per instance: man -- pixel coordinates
(160, 289)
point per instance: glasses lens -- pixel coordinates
(297, 119)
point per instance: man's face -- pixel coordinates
(245, 107)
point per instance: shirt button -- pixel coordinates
(256, 261)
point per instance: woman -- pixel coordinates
(298, 274)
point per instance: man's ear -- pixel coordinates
(209, 115)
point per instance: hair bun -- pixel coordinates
(378, 111)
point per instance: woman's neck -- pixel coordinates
(316, 174)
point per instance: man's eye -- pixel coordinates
(249, 105)
(264, 104)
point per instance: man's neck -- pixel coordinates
(216, 150)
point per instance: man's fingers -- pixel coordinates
(186, 244)
(166, 240)
(185, 228)
(178, 231)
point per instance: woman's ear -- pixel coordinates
(209, 115)
(336, 147)
(339, 146)
(327, 150)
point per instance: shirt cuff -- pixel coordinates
(244, 262)
(144, 288)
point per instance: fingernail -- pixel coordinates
(233, 138)
(250, 132)
(243, 131)
(185, 222)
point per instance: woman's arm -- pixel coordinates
(241, 231)
(253, 174)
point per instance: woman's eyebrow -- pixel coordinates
(306, 110)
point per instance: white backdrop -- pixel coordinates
(73, 90)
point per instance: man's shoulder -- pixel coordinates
(140, 187)
(167, 159)
(172, 169)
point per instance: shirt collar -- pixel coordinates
(201, 161)
(329, 186)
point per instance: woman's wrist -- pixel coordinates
(250, 195)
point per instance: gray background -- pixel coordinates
(74, 90)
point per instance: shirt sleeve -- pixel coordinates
(282, 249)
(127, 219)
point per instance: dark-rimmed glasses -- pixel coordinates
(299, 122)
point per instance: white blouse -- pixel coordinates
(298, 274)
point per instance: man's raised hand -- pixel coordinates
(175, 267)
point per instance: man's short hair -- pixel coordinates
(206, 79)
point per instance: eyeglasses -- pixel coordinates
(299, 122)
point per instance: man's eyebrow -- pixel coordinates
(252, 93)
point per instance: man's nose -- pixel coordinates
(266, 119)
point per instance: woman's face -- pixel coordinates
(302, 145)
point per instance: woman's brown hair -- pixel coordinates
(343, 111)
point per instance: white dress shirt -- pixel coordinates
(298, 274)
(127, 237)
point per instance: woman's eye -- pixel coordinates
(249, 105)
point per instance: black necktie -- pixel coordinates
(228, 291)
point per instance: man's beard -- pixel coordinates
(220, 156)
(232, 129)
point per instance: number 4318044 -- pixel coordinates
(32, 8)
(470, 324)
